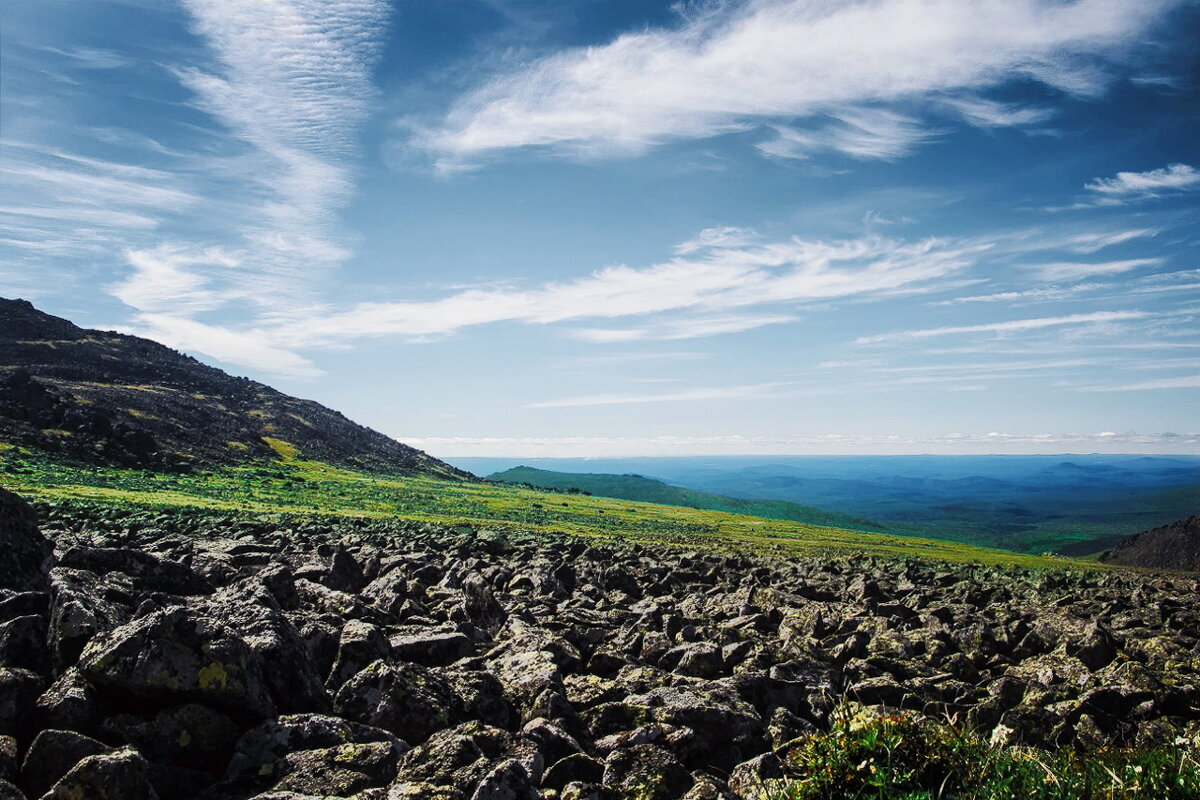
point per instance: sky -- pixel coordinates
(622, 228)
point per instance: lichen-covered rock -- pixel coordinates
(508, 780)
(27, 553)
(19, 691)
(360, 644)
(190, 735)
(292, 678)
(407, 699)
(175, 656)
(338, 771)
(52, 755)
(120, 775)
(147, 572)
(84, 604)
(645, 772)
(260, 749)
(432, 649)
(23, 643)
(69, 704)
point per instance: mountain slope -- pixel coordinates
(110, 398)
(1174, 546)
(650, 490)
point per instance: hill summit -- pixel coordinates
(111, 398)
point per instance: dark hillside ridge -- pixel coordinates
(651, 490)
(111, 398)
(1174, 546)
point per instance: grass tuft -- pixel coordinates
(866, 755)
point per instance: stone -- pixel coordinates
(340, 771)
(575, 768)
(407, 699)
(23, 643)
(119, 775)
(28, 554)
(757, 777)
(259, 751)
(645, 772)
(147, 572)
(190, 735)
(69, 704)
(506, 781)
(177, 655)
(19, 691)
(432, 649)
(52, 755)
(360, 644)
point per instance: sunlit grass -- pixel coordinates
(905, 756)
(295, 486)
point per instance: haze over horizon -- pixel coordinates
(534, 229)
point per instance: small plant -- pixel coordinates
(906, 756)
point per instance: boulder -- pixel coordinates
(645, 772)
(119, 775)
(407, 699)
(52, 755)
(28, 554)
(175, 656)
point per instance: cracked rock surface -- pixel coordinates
(199, 656)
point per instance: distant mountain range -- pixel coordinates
(110, 398)
(650, 490)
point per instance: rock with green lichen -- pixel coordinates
(178, 655)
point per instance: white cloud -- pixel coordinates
(165, 280)
(1088, 243)
(693, 328)
(292, 81)
(1010, 326)
(771, 61)
(857, 132)
(727, 236)
(687, 395)
(245, 348)
(708, 287)
(984, 113)
(1071, 271)
(1046, 294)
(1181, 382)
(1130, 186)
(848, 443)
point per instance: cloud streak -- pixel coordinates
(1009, 326)
(773, 62)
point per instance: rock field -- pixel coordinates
(380, 660)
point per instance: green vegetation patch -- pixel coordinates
(906, 756)
(297, 487)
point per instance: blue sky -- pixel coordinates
(490, 227)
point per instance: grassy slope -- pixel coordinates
(649, 490)
(295, 486)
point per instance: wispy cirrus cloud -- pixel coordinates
(708, 287)
(1073, 271)
(739, 66)
(1007, 326)
(687, 395)
(1180, 382)
(289, 86)
(824, 444)
(1127, 187)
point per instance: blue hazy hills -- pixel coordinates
(1070, 504)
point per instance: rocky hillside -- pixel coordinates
(117, 399)
(178, 655)
(1174, 546)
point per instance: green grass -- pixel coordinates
(298, 487)
(904, 756)
(650, 490)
